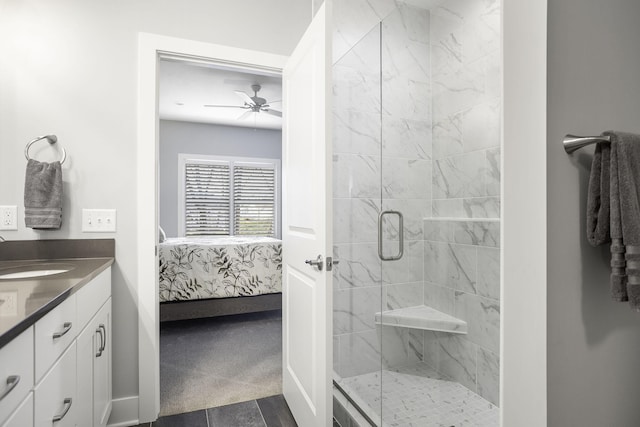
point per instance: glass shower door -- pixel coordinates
(357, 193)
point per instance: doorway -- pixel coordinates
(220, 253)
(152, 48)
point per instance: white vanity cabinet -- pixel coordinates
(67, 354)
(94, 370)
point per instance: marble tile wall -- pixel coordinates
(462, 278)
(353, 20)
(465, 66)
(416, 114)
(462, 257)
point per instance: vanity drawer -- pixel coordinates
(23, 416)
(55, 396)
(92, 296)
(16, 372)
(54, 332)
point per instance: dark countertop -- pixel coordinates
(37, 296)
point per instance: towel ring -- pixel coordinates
(52, 139)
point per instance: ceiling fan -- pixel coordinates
(253, 104)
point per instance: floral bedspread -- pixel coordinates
(207, 267)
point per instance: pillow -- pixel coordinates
(162, 236)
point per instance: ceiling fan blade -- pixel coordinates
(272, 112)
(274, 102)
(246, 98)
(245, 115)
(226, 106)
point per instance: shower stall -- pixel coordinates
(416, 171)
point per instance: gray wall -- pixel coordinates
(199, 138)
(593, 342)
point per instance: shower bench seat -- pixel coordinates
(421, 317)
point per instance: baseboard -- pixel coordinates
(124, 412)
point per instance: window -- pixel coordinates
(223, 196)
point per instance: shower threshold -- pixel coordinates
(418, 396)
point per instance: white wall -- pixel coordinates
(69, 67)
(593, 342)
(200, 138)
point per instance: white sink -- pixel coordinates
(31, 271)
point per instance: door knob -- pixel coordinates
(317, 263)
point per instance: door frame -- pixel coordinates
(523, 253)
(150, 47)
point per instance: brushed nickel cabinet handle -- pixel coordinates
(67, 405)
(104, 334)
(99, 331)
(12, 382)
(67, 328)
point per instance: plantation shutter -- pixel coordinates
(254, 200)
(207, 199)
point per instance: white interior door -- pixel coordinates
(307, 290)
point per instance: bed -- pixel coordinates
(214, 272)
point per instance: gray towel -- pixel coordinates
(613, 211)
(43, 195)
(598, 198)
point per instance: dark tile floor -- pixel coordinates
(266, 412)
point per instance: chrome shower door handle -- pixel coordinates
(400, 232)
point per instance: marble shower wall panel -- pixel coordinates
(401, 346)
(462, 278)
(356, 197)
(353, 20)
(356, 176)
(352, 309)
(465, 66)
(359, 265)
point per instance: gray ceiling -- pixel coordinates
(186, 86)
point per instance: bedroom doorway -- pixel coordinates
(307, 119)
(220, 254)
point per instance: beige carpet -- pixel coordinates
(207, 363)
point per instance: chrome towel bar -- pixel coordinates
(573, 142)
(51, 139)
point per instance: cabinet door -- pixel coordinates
(23, 415)
(55, 396)
(94, 370)
(16, 372)
(88, 346)
(102, 367)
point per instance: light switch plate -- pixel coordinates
(8, 217)
(98, 220)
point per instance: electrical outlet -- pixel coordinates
(8, 303)
(8, 217)
(98, 220)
